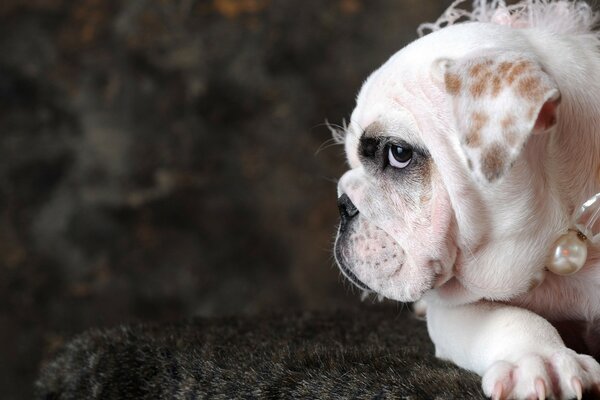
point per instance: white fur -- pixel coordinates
(467, 244)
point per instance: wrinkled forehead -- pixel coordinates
(385, 104)
(390, 96)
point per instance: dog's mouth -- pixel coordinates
(394, 280)
(372, 260)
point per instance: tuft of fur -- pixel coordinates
(559, 16)
(338, 132)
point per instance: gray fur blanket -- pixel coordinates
(380, 352)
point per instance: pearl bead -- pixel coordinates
(569, 255)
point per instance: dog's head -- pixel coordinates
(443, 147)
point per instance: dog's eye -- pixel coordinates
(399, 157)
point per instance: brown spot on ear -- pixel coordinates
(496, 85)
(477, 69)
(507, 122)
(453, 83)
(511, 137)
(473, 138)
(503, 68)
(529, 88)
(478, 121)
(517, 70)
(425, 198)
(492, 161)
(479, 87)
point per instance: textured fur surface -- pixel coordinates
(376, 353)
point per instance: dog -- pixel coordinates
(470, 150)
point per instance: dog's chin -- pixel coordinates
(399, 285)
(409, 295)
(443, 284)
(429, 280)
(403, 286)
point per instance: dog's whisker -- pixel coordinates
(338, 132)
(332, 142)
(330, 124)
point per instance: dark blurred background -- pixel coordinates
(159, 159)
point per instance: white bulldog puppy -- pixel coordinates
(470, 150)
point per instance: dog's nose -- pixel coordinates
(347, 209)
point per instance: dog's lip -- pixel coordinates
(346, 271)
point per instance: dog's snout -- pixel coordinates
(347, 209)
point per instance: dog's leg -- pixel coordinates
(518, 353)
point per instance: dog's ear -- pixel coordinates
(498, 101)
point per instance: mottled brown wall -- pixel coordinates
(158, 159)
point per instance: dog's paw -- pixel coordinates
(561, 375)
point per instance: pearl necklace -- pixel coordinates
(569, 252)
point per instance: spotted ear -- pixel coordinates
(498, 101)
